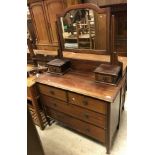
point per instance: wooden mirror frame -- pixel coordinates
(98, 10)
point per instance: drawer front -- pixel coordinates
(53, 92)
(82, 127)
(54, 69)
(87, 102)
(75, 111)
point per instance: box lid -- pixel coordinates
(108, 69)
(57, 62)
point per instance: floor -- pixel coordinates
(58, 140)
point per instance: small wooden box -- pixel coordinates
(108, 73)
(58, 66)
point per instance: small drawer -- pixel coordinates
(75, 111)
(89, 103)
(53, 92)
(80, 126)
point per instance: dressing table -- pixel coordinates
(75, 98)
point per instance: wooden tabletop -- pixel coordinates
(81, 83)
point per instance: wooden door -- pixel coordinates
(102, 30)
(53, 7)
(38, 16)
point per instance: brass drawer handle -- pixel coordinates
(52, 92)
(73, 99)
(86, 116)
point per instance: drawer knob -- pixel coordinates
(51, 92)
(73, 98)
(87, 129)
(85, 102)
(86, 116)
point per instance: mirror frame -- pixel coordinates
(98, 10)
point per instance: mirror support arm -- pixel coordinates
(60, 53)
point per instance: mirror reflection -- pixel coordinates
(81, 29)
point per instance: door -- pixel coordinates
(53, 7)
(38, 16)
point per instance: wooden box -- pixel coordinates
(58, 66)
(108, 73)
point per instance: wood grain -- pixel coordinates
(88, 103)
(80, 126)
(73, 81)
(84, 56)
(37, 11)
(75, 111)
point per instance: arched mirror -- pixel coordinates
(85, 28)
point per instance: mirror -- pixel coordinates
(85, 29)
(79, 29)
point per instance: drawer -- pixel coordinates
(80, 126)
(75, 111)
(87, 102)
(53, 92)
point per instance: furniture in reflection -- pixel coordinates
(34, 104)
(85, 35)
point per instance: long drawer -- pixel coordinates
(88, 102)
(53, 92)
(75, 111)
(82, 127)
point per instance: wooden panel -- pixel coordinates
(83, 56)
(53, 92)
(100, 28)
(84, 65)
(87, 102)
(33, 1)
(121, 30)
(47, 47)
(105, 2)
(40, 23)
(53, 7)
(85, 128)
(114, 116)
(75, 111)
(71, 2)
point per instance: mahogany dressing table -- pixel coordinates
(75, 98)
